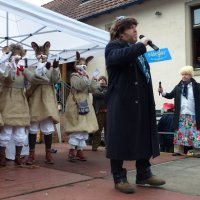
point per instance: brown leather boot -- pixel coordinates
(2, 156)
(125, 187)
(18, 160)
(31, 157)
(71, 155)
(49, 159)
(153, 181)
(80, 156)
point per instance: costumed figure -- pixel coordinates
(13, 102)
(3, 61)
(42, 102)
(80, 115)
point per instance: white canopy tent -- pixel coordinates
(22, 22)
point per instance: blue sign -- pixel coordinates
(158, 56)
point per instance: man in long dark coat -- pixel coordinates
(131, 119)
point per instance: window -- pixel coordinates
(196, 17)
(196, 35)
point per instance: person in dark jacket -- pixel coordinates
(131, 118)
(100, 110)
(187, 112)
(165, 124)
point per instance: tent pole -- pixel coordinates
(7, 28)
(20, 43)
(32, 34)
(35, 33)
(85, 50)
(2, 41)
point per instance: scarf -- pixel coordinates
(144, 68)
(184, 90)
(82, 73)
(20, 68)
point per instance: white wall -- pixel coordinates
(166, 31)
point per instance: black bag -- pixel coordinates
(83, 107)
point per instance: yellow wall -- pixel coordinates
(170, 30)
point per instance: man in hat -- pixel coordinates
(131, 119)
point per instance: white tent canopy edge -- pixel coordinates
(53, 25)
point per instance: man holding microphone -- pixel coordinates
(131, 118)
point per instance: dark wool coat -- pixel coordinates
(99, 99)
(176, 94)
(132, 131)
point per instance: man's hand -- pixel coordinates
(145, 40)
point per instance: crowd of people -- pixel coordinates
(123, 107)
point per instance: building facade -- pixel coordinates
(173, 24)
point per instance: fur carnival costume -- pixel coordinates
(14, 107)
(42, 101)
(79, 125)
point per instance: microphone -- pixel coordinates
(160, 87)
(153, 46)
(26, 62)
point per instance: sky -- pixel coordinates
(39, 2)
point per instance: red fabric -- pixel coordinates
(103, 110)
(168, 106)
(20, 68)
(82, 73)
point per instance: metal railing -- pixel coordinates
(62, 92)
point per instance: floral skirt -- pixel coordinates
(187, 133)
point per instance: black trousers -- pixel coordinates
(119, 173)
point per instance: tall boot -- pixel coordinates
(2, 156)
(32, 142)
(80, 156)
(48, 142)
(31, 157)
(49, 159)
(71, 155)
(18, 160)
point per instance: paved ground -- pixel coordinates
(91, 180)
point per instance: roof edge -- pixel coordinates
(110, 10)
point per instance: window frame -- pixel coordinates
(195, 30)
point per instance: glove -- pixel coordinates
(55, 63)
(48, 65)
(5, 57)
(95, 73)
